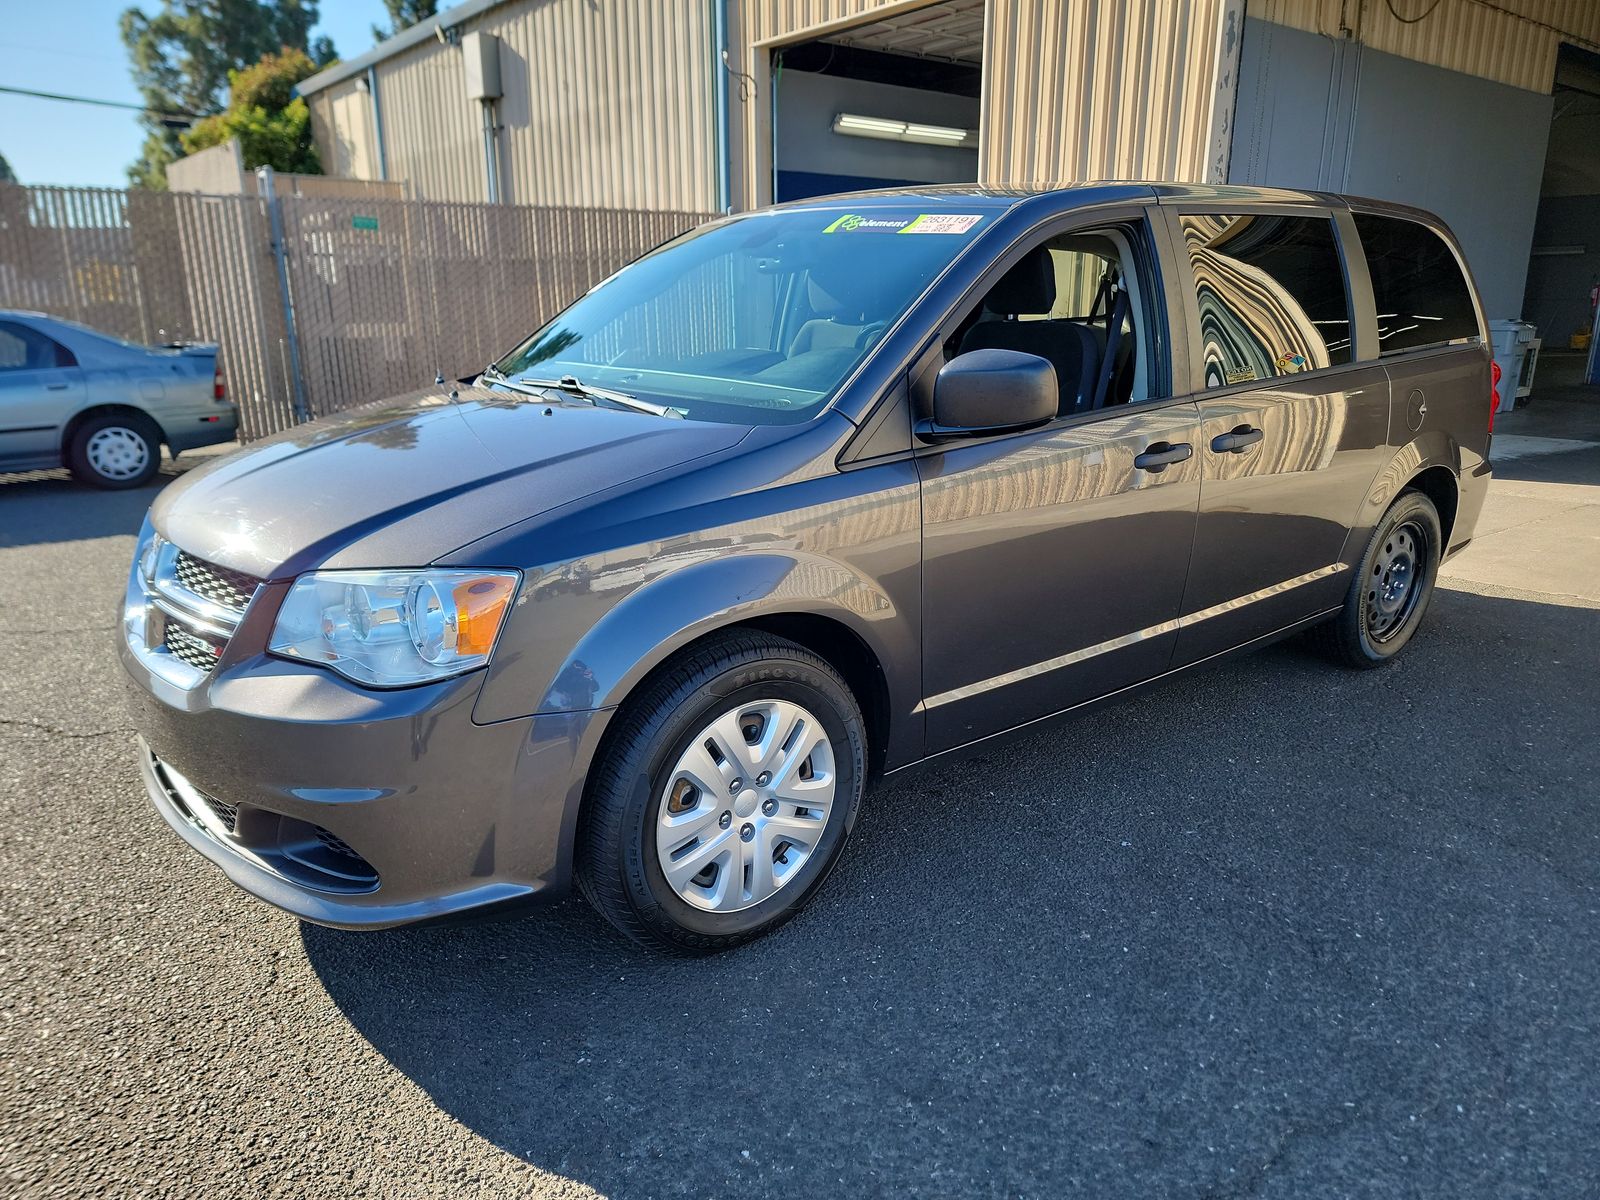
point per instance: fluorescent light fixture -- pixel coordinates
(855, 125)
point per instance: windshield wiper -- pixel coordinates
(571, 385)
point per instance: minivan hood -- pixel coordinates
(404, 481)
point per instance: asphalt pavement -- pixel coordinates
(1275, 929)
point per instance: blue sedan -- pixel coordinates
(71, 396)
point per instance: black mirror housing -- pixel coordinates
(991, 391)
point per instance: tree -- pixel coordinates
(7, 175)
(181, 58)
(273, 125)
(403, 14)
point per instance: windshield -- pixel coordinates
(757, 320)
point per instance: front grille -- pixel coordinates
(289, 847)
(220, 585)
(190, 647)
(227, 814)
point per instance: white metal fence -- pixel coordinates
(381, 294)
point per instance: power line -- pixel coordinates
(177, 116)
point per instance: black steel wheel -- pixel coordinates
(1393, 584)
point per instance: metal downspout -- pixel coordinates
(491, 153)
(719, 71)
(377, 122)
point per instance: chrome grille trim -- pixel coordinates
(180, 621)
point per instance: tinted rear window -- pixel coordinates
(1422, 297)
(1271, 293)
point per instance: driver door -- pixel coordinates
(1054, 560)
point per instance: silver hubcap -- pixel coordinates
(1392, 588)
(118, 453)
(745, 806)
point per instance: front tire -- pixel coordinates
(723, 796)
(1393, 585)
(115, 451)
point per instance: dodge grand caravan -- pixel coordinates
(803, 497)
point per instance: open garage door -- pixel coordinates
(881, 104)
(1564, 272)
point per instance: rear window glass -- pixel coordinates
(1422, 297)
(1271, 292)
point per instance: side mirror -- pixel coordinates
(991, 391)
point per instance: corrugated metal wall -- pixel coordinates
(341, 122)
(1080, 89)
(606, 104)
(1459, 35)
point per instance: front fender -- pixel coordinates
(845, 547)
(662, 616)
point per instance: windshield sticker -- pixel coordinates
(1239, 374)
(924, 223)
(943, 223)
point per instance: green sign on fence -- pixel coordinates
(363, 222)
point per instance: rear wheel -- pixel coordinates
(1394, 583)
(115, 451)
(725, 795)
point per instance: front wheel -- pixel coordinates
(1392, 587)
(724, 796)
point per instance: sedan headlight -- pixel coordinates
(394, 628)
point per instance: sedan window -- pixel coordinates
(24, 349)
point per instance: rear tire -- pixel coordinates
(1392, 588)
(739, 769)
(115, 451)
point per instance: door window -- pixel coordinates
(24, 349)
(1272, 296)
(1076, 301)
(1423, 298)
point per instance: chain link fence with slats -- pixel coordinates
(382, 293)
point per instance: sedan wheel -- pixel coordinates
(115, 451)
(118, 453)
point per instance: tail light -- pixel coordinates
(219, 389)
(1494, 392)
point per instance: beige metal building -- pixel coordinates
(699, 105)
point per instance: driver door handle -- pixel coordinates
(1158, 456)
(1237, 442)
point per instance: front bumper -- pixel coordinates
(355, 808)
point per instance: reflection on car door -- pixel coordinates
(40, 386)
(1053, 568)
(1291, 435)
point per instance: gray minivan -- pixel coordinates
(804, 497)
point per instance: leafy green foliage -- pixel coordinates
(182, 56)
(7, 175)
(273, 125)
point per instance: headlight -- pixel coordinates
(394, 628)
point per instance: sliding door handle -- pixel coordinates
(1158, 456)
(1237, 442)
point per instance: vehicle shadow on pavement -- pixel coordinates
(41, 507)
(1274, 919)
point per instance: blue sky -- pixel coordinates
(72, 46)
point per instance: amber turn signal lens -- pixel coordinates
(480, 607)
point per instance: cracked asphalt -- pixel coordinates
(1275, 929)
